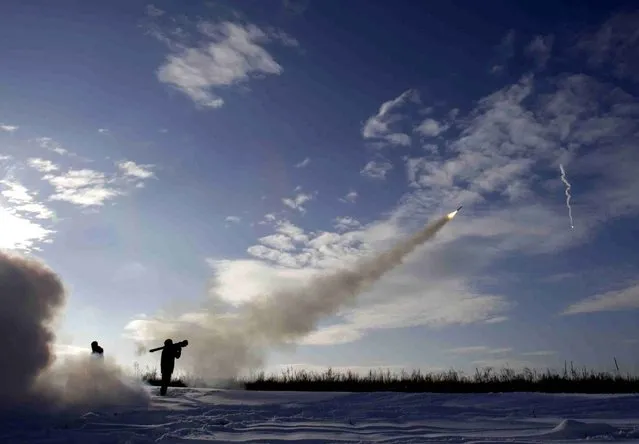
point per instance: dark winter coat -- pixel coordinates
(169, 355)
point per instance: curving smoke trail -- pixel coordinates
(223, 345)
(32, 296)
(565, 181)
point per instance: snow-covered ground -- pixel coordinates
(207, 415)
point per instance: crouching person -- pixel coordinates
(170, 353)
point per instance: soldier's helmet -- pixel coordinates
(168, 342)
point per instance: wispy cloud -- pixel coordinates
(278, 241)
(380, 126)
(540, 353)
(153, 11)
(376, 169)
(132, 169)
(349, 197)
(22, 218)
(23, 201)
(42, 165)
(616, 300)
(51, 145)
(228, 54)
(431, 128)
(304, 163)
(8, 128)
(87, 187)
(103, 130)
(233, 219)
(346, 223)
(479, 349)
(504, 52)
(540, 49)
(496, 320)
(84, 187)
(297, 202)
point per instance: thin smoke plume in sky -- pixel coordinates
(32, 296)
(565, 181)
(224, 345)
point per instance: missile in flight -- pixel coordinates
(454, 213)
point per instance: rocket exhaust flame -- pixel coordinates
(225, 346)
(454, 213)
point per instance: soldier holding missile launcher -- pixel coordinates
(170, 352)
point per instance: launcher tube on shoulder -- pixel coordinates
(177, 344)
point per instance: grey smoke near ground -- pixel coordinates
(32, 296)
(225, 345)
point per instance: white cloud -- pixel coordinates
(297, 202)
(82, 187)
(103, 130)
(346, 223)
(87, 187)
(20, 218)
(496, 320)
(269, 218)
(8, 128)
(379, 125)
(233, 219)
(23, 201)
(20, 233)
(617, 300)
(283, 37)
(292, 231)
(303, 163)
(540, 353)
(539, 49)
(51, 145)
(278, 241)
(132, 169)
(351, 197)
(479, 349)
(42, 165)
(376, 169)
(431, 128)
(232, 54)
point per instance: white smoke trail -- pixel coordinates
(225, 345)
(565, 181)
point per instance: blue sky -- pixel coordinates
(154, 155)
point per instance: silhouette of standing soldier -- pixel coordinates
(96, 350)
(170, 353)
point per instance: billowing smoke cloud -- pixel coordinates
(32, 296)
(225, 345)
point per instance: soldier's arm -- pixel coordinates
(178, 353)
